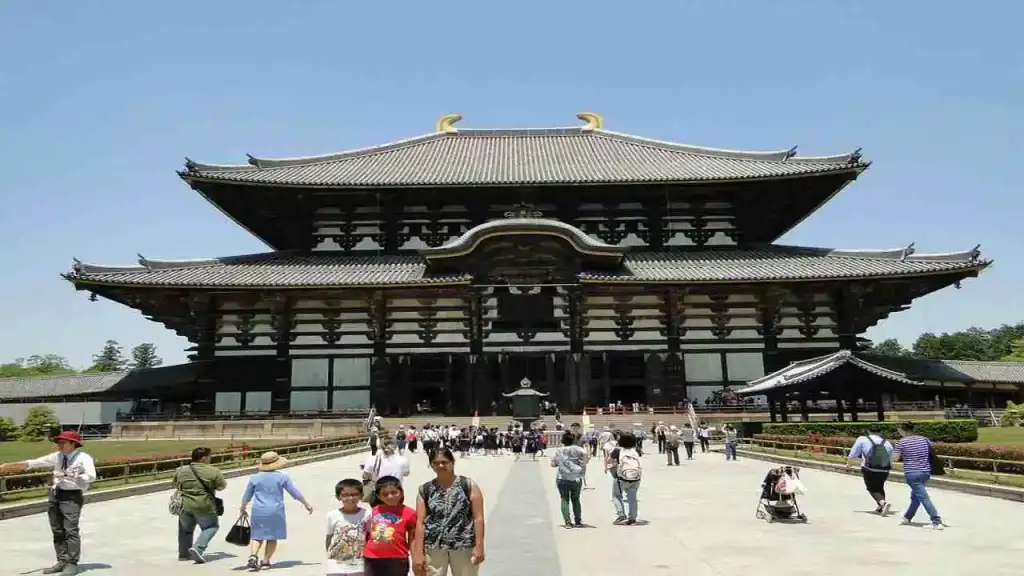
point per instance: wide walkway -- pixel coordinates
(698, 520)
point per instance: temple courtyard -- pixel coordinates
(697, 519)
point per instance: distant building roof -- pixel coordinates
(325, 269)
(806, 370)
(537, 156)
(967, 371)
(78, 385)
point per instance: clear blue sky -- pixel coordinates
(101, 101)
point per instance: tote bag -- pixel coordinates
(241, 533)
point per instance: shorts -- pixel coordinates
(874, 480)
(385, 566)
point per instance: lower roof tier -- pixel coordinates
(772, 263)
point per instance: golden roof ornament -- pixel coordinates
(593, 119)
(447, 122)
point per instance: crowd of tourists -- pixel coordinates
(373, 532)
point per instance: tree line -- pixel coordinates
(111, 358)
(1005, 343)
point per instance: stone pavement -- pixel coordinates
(698, 519)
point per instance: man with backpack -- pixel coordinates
(625, 466)
(875, 454)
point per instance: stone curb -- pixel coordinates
(992, 491)
(39, 506)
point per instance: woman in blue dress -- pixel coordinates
(266, 491)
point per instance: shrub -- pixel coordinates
(1013, 415)
(1012, 454)
(40, 424)
(935, 430)
(8, 429)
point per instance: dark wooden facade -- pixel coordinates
(451, 294)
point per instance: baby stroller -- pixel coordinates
(778, 500)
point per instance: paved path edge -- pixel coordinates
(991, 491)
(39, 506)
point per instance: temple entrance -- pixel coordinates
(429, 378)
(629, 393)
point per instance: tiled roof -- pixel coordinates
(77, 385)
(63, 385)
(326, 270)
(523, 156)
(806, 370)
(955, 370)
(784, 263)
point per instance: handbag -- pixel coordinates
(176, 504)
(241, 533)
(938, 465)
(218, 504)
(370, 486)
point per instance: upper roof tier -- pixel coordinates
(586, 154)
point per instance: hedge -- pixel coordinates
(984, 451)
(952, 431)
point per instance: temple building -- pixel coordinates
(443, 269)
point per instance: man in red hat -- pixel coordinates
(73, 472)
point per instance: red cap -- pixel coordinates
(72, 437)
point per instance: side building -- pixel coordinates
(442, 269)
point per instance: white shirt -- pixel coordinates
(348, 535)
(78, 474)
(395, 465)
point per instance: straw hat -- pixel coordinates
(673, 428)
(271, 461)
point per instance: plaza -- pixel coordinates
(697, 519)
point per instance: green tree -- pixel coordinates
(8, 429)
(889, 347)
(36, 365)
(40, 424)
(110, 359)
(1016, 351)
(144, 356)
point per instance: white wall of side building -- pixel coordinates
(70, 413)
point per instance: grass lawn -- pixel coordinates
(1008, 436)
(105, 450)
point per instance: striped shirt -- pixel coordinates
(916, 453)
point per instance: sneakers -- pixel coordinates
(69, 570)
(55, 569)
(196, 555)
(884, 508)
(619, 521)
(904, 521)
(939, 526)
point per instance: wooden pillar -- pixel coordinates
(847, 302)
(804, 413)
(879, 405)
(771, 408)
(837, 394)
(282, 320)
(204, 312)
(768, 328)
(448, 396)
(784, 408)
(380, 391)
(606, 381)
(557, 393)
(854, 413)
(404, 369)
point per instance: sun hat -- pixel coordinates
(72, 437)
(673, 427)
(271, 461)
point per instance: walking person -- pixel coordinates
(704, 435)
(571, 462)
(688, 435)
(266, 490)
(671, 443)
(875, 454)
(916, 453)
(449, 522)
(198, 482)
(730, 441)
(624, 465)
(74, 471)
(387, 462)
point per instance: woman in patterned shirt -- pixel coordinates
(449, 522)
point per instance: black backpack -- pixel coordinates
(878, 458)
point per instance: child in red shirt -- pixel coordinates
(389, 531)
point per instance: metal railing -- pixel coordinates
(824, 408)
(31, 484)
(996, 466)
(227, 416)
